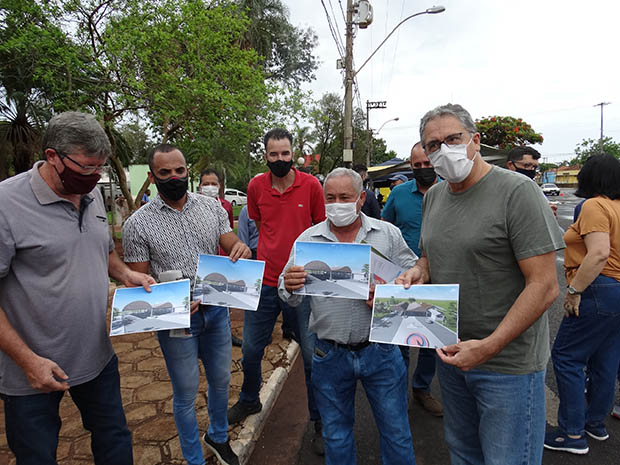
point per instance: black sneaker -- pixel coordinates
(222, 451)
(236, 341)
(240, 411)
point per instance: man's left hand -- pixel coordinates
(465, 355)
(239, 250)
(136, 279)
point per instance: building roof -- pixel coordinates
(216, 277)
(342, 268)
(239, 282)
(137, 305)
(317, 265)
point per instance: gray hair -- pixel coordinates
(356, 179)
(449, 109)
(73, 131)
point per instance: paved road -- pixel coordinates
(427, 430)
(346, 288)
(242, 300)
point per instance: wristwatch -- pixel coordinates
(572, 290)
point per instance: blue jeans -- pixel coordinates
(382, 371)
(493, 418)
(257, 329)
(33, 423)
(210, 342)
(592, 339)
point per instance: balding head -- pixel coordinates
(418, 158)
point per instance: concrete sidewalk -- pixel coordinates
(147, 399)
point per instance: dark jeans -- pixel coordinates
(33, 422)
(257, 329)
(592, 339)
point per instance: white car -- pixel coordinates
(550, 189)
(235, 197)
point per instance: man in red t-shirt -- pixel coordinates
(283, 202)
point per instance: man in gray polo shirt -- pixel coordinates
(55, 256)
(343, 355)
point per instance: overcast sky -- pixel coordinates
(548, 62)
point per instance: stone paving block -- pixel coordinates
(161, 428)
(147, 454)
(137, 354)
(152, 363)
(135, 381)
(139, 412)
(158, 390)
(151, 343)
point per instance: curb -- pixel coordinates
(253, 426)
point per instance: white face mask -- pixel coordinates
(210, 191)
(451, 162)
(341, 214)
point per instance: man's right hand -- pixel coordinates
(43, 374)
(294, 278)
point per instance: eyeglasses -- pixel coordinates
(525, 166)
(452, 139)
(86, 169)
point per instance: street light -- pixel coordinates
(388, 121)
(429, 11)
(350, 73)
(371, 144)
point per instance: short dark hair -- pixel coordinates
(600, 175)
(277, 134)
(210, 171)
(360, 168)
(163, 148)
(516, 153)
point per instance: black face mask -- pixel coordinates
(172, 188)
(529, 173)
(280, 168)
(424, 176)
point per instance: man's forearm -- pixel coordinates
(117, 269)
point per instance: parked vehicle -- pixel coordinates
(550, 189)
(235, 197)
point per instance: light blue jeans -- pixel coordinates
(210, 342)
(382, 372)
(493, 418)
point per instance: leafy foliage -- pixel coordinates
(588, 147)
(506, 132)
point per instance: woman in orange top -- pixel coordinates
(590, 332)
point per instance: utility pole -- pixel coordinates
(371, 106)
(602, 104)
(347, 153)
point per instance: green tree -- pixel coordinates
(37, 64)
(366, 270)
(506, 132)
(588, 147)
(286, 51)
(326, 119)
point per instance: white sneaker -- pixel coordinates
(616, 412)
